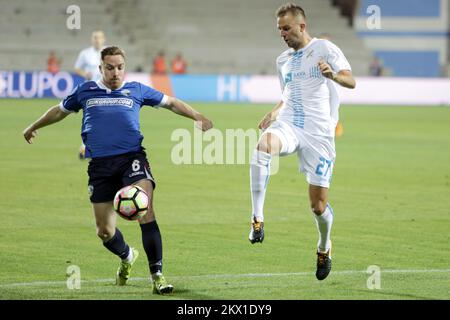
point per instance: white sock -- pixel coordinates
(259, 176)
(129, 257)
(324, 223)
(156, 274)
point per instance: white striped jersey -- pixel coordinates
(310, 101)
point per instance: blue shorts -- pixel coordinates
(108, 174)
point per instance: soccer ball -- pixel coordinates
(131, 202)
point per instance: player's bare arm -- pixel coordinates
(182, 108)
(54, 114)
(343, 77)
(270, 117)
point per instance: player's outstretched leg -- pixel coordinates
(112, 238)
(323, 215)
(152, 242)
(324, 222)
(117, 245)
(268, 146)
(259, 176)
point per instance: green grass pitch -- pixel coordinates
(390, 193)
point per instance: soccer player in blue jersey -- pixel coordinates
(113, 140)
(303, 122)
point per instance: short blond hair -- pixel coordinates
(112, 51)
(292, 8)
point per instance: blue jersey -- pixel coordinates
(111, 117)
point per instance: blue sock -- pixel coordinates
(151, 240)
(117, 245)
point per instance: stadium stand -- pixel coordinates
(412, 38)
(215, 36)
(31, 29)
(230, 36)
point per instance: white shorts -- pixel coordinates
(316, 154)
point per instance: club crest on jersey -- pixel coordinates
(90, 189)
(288, 77)
(125, 92)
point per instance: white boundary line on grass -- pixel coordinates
(221, 276)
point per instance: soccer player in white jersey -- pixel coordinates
(88, 61)
(303, 122)
(87, 66)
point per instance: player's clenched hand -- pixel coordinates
(326, 70)
(266, 121)
(29, 134)
(204, 124)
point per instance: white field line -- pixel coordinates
(224, 276)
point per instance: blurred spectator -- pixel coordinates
(53, 63)
(376, 67)
(88, 66)
(348, 9)
(178, 64)
(159, 63)
(88, 62)
(445, 70)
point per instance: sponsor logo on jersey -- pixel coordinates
(96, 102)
(295, 75)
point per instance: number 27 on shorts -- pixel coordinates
(324, 168)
